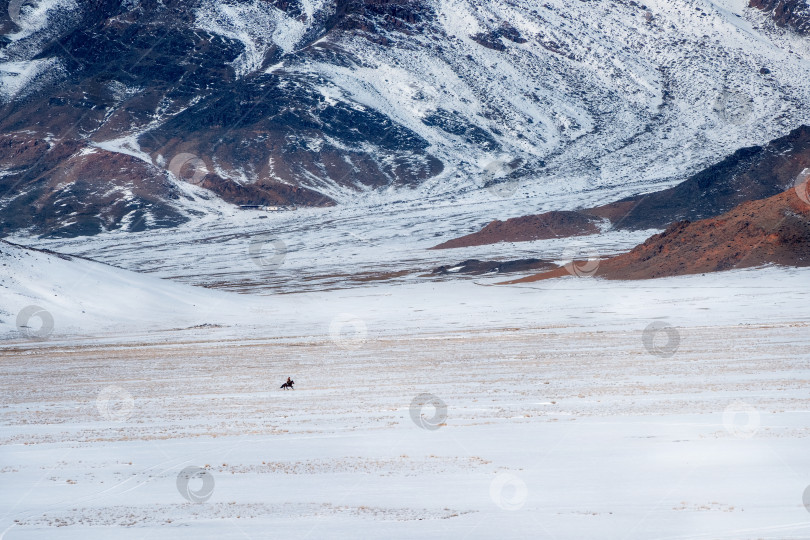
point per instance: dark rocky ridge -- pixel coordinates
(793, 14)
(126, 67)
(748, 174)
(476, 267)
(539, 227)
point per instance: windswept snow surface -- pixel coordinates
(552, 413)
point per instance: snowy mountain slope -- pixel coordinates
(312, 102)
(78, 296)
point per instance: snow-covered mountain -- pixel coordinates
(131, 114)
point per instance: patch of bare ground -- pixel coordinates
(176, 514)
(321, 282)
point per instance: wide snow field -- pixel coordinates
(559, 423)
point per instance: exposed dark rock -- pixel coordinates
(748, 174)
(492, 39)
(793, 14)
(476, 267)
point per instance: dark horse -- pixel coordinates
(288, 384)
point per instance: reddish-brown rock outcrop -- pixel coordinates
(522, 229)
(775, 230)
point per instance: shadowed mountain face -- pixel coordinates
(136, 114)
(155, 88)
(748, 174)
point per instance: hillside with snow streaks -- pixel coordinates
(608, 92)
(258, 25)
(316, 103)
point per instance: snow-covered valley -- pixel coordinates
(548, 419)
(147, 322)
(575, 408)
